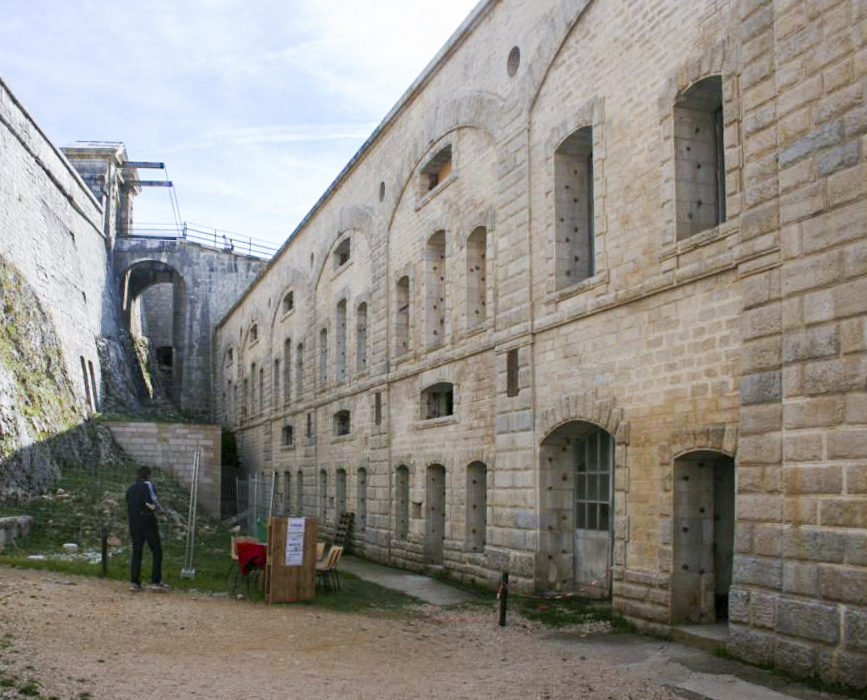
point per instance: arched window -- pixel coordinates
(699, 158)
(361, 499)
(435, 289)
(299, 492)
(477, 506)
(340, 342)
(573, 208)
(401, 325)
(323, 495)
(323, 358)
(299, 370)
(477, 290)
(402, 497)
(287, 370)
(288, 302)
(275, 383)
(253, 380)
(361, 337)
(339, 494)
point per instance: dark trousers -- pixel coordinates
(141, 532)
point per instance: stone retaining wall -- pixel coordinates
(170, 446)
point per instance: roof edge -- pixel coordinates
(477, 14)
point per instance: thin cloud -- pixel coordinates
(273, 135)
(254, 109)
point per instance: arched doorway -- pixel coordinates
(577, 461)
(154, 306)
(703, 537)
(435, 493)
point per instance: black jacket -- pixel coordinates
(137, 497)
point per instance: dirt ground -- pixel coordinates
(90, 638)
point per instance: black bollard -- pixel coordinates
(103, 536)
(503, 595)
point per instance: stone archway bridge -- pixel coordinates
(207, 280)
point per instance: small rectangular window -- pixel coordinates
(342, 253)
(309, 425)
(377, 408)
(342, 425)
(438, 401)
(437, 170)
(512, 373)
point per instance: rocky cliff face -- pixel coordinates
(43, 421)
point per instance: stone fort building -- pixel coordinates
(589, 306)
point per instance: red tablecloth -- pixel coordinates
(251, 555)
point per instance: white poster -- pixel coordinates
(295, 542)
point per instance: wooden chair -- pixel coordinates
(335, 572)
(320, 551)
(326, 570)
(233, 564)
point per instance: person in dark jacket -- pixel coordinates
(142, 505)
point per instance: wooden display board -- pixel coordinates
(288, 583)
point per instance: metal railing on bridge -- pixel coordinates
(208, 237)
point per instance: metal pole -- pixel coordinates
(273, 494)
(189, 570)
(503, 595)
(103, 537)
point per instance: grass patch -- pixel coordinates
(29, 689)
(84, 501)
(359, 596)
(562, 612)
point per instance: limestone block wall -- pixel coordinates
(53, 233)
(732, 347)
(801, 575)
(170, 446)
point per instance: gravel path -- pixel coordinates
(93, 637)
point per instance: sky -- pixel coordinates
(254, 106)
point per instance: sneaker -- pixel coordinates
(159, 587)
(135, 587)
